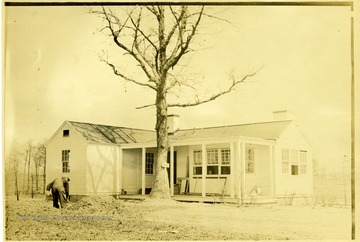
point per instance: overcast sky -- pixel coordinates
(53, 73)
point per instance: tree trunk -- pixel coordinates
(36, 177)
(44, 174)
(160, 187)
(16, 185)
(25, 164)
(29, 157)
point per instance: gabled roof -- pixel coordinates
(264, 130)
(98, 133)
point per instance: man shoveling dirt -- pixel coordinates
(60, 191)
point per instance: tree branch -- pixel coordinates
(115, 34)
(174, 58)
(118, 73)
(215, 96)
(146, 106)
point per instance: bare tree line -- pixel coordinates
(25, 168)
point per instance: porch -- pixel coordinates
(210, 170)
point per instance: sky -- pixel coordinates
(53, 73)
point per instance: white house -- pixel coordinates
(267, 159)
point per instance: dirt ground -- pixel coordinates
(106, 218)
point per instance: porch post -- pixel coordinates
(238, 170)
(243, 171)
(203, 174)
(120, 170)
(172, 170)
(271, 169)
(190, 171)
(232, 170)
(143, 154)
(273, 166)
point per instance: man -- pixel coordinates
(60, 191)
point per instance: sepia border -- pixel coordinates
(318, 3)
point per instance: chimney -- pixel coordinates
(283, 115)
(173, 122)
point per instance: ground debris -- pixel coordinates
(107, 218)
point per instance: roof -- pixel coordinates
(98, 133)
(264, 130)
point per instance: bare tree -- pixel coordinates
(15, 159)
(29, 150)
(12, 166)
(25, 166)
(157, 38)
(39, 161)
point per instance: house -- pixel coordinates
(266, 159)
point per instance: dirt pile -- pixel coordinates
(97, 218)
(95, 203)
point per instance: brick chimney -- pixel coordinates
(173, 122)
(283, 115)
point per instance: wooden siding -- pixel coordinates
(287, 184)
(102, 170)
(131, 178)
(77, 146)
(182, 166)
(262, 173)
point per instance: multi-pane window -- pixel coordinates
(250, 158)
(285, 161)
(225, 161)
(303, 158)
(217, 162)
(65, 157)
(212, 156)
(149, 163)
(294, 162)
(197, 162)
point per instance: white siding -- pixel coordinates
(262, 173)
(131, 178)
(286, 184)
(102, 171)
(77, 146)
(182, 166)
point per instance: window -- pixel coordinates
(249, 165)
(294, 162)
(285, 161)
(197, 162)
(149, 163)
(217, 162)
(65, 157)
(212, 156)
(66, 133)
(303, 159)
(225, 161)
